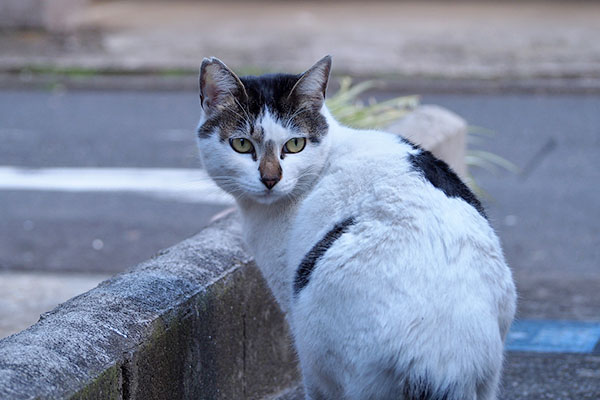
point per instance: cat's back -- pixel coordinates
(396, 201)
(387, 202)
(383, 256)
(385, 178)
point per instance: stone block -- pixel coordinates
(438, 130)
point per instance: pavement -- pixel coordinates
(534, 376)
(519, 45)
(27, 295)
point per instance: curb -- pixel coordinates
(157, 81)
(196, 321)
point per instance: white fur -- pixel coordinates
(416, 290)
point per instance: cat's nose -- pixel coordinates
(269, 182)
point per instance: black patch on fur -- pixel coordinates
(270, 92)
(440, 175)
(274, 92)
(310, 259)
(206, 129)
(403, 140)
(228, 121)
(421, 389)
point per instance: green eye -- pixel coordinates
(295, 145)
(241, 145)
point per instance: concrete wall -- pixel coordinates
(194, 322)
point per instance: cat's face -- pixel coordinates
(263, 138)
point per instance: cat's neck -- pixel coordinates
(265, 229)
(267, 226)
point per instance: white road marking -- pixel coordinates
(188, 185)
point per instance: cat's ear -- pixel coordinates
(312, 85)
(218, 85)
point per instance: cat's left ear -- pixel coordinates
(218, 85)
(311, 87)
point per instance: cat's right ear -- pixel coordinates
(311, 86)
(219, 86)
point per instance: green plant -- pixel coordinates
(486, 160)
(350, 111)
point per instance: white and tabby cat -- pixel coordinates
(393, 282)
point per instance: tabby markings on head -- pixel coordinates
(238, 104)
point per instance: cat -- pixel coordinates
(393, 282)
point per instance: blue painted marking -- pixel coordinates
(553, 336)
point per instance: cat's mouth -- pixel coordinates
(267, 196)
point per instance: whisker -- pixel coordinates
(294, 115)
(236, 113)
(243, 109)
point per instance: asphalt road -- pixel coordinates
(94, 232)
(546, 215)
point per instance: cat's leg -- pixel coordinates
(311, 386)
(318, 380)
(487, 390)
(312, 393)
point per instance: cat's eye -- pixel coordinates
(241, 145)
(295, 145)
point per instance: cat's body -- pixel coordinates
(393, 282)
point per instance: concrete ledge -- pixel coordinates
(196, 321)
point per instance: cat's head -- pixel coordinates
(263, 138)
